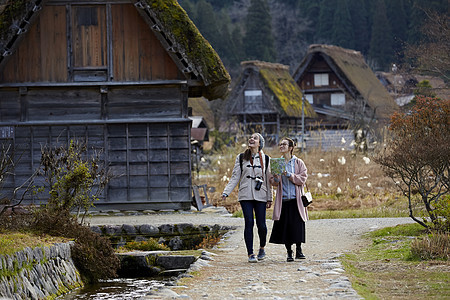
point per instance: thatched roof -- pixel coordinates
(201, 108)
(166, 18)
(279, 83)
(352, 70)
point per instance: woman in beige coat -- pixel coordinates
(252, 172)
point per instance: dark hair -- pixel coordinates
(248, 154)
(291, 143)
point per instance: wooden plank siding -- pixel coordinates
(137, 55)
(42, 56)
(150, 161)
(139, 103)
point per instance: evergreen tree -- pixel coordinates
(259, 42)
(325, 22)
(226, 47)
(342, 34)
(238, 41)
(381, 49)
(398, 21)
(360, 24)
(206, 22)
(290, 40)
(310, 10)
(189, 8)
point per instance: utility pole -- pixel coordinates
(303, 121)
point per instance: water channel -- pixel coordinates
(115, 289)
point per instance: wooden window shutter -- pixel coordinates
(89, 32)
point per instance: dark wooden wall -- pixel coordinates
(150, 161)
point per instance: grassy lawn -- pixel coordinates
(387, 270)
(17, 241)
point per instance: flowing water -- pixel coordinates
(122, 288)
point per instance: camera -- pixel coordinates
(258, 184)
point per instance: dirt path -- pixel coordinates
(230, 276)
(320, 276)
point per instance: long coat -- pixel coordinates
(247, 182)
(299, 179)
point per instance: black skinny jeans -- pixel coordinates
(259, 207)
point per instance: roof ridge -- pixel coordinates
(264, 64)
(315, 47)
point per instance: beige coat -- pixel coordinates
(299, 179)
(247, 189)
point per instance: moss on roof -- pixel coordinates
(184, 33)
(359, 74)
(285, 90)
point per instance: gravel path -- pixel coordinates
(229, 276)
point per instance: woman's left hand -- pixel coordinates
(268, 204)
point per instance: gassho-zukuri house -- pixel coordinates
(266, 99)
(341, 87)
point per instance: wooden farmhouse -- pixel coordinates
(341, 87)
(115, 74)
(266, 99)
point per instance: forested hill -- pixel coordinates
(281, 30)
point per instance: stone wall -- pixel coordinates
(184, 236)
(47, 272)
(39, 273)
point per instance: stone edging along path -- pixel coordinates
(228, 275)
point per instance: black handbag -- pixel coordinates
(306, 197)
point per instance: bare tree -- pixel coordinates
(7, 166)
(432, 55)
(290, 28)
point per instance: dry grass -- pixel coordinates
(339, 180)
(434, 246)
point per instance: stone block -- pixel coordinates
(172, 262)
(148, 230)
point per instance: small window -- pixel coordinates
(310, 98)
(321, 79)
(87, 16)
(6, 132)
(337, 99)
(252, 99)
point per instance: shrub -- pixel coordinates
(417, 158)
(74, 181)
(92, 254)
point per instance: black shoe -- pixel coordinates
(289, 256)
(298, 252)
